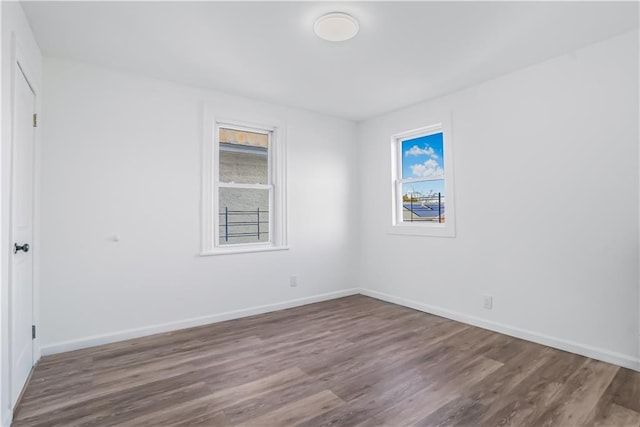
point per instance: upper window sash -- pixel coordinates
(238, 126)
(240, 185)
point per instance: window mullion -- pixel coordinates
(425, 179)
(245, 186)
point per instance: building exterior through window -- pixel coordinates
(244, 187)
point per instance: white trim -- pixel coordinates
(206, 196)
(260, 126)
(423, 131)
(190, 323)
(243, 249)
(623, 360)
(412, 180)
(408, 229)
(244, 186)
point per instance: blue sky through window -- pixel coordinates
(422, 157)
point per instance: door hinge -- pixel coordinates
(35, 120)
(33, 332)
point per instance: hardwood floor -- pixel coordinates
(353, 361)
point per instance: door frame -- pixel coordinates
(20, 63)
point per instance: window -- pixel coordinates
(243, 199)
(423, 182)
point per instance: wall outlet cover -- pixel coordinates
(487, 302)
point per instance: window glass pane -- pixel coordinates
(244, 216)
(422, 157)
(423, 201)
(244, 157)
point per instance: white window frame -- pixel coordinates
(398, 226)
(211, 184)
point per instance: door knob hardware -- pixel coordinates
(17, 247)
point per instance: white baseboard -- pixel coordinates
(570, 346)
(188, 323)
(562, 344)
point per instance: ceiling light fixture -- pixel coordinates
(336, 27)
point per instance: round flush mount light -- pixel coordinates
(336, 27)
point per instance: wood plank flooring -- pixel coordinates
(353, 361)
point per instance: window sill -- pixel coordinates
(244, 250)
(432, 230)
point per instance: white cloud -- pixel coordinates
(428, 169)
(417, 151)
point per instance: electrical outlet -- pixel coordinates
(487, 302)
(293, 281)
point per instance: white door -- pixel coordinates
(21, 291)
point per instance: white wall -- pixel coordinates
(15, 31)
(546, 174)
(122, 155)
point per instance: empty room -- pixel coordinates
(320, 213)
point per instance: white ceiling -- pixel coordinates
(406, 52)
